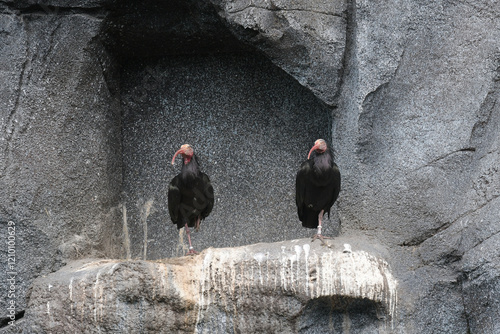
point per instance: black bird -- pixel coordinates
(317, 187)
(190, 194)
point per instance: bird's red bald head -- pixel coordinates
(319, 146)
(187, 153)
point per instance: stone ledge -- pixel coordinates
(251, 288)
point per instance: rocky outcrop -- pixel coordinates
(257, 288)
(307, 39)
(60, 170)
(98, 94)
(419, 155)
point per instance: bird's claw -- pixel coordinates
(321, 238)
(192, 252)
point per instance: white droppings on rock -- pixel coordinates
(229, 276)
(224, 284)
(260, 257)
(306, 256)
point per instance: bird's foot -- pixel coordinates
(320, 237)
(192, 252)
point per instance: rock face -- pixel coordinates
(245, 165)
(97, 95)
(60, 163)
(257, 288)
(419, 111)
(305, 38)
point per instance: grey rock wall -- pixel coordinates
(305, 38)
(60, 158)
(420, 156)
(97, 95)
(250, 124)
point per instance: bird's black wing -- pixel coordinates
(208, 192)
(174, 201)
(300, 188)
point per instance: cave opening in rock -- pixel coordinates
(184, 78)
(341, 314)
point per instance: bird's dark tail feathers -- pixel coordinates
(309, 218)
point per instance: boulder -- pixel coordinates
(279, 287)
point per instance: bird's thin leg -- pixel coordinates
(318, 235)
(191, 249)
(197, 225)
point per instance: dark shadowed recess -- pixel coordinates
(340, 315)
(336, 314)
(184, 78)
(152, 29)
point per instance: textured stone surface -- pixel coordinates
(149, 29)
(60, 159)
(256, 288)
(415, 132)
(305, 38)
(408, 90)
(269, 123)
(55, 6)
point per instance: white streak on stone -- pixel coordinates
(71, 289)
(267, 267)
(260, 257)
(146, 210)
(96, 289)
(70, 286)
(306, 256)
(283, 268)
(227, 277)
(298, 251)
(292, 281)
(113, 268)
(126, 237)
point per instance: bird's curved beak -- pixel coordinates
(315, 147)
(180, 151)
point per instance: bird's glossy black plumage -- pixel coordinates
(317, 187)
(190, 195)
